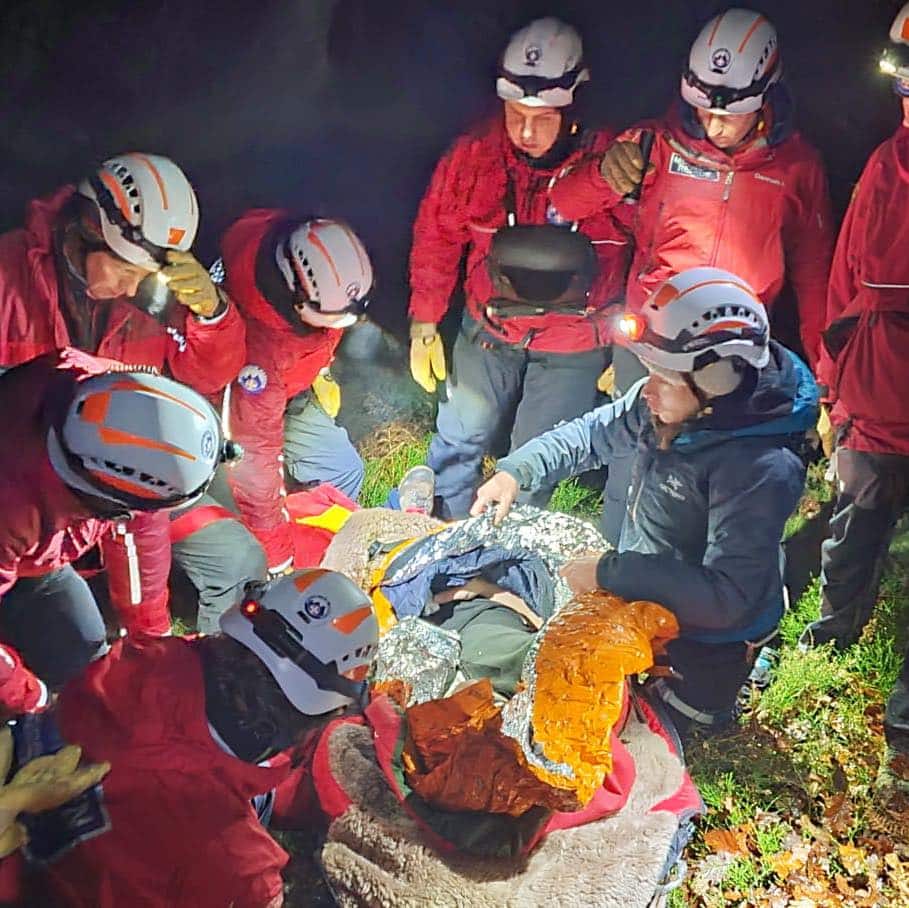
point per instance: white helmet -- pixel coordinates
(733, 61)
(146, 206)
(895, 58)
(696, 318)
(316, 633)
(137, 440)
(328, 270)
(542, 65)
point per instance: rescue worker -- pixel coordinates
(298, 283)
(80, 274)
(195, 730)
(512, 376)
(80, 453)
(863, 369)
(714, 433)
(729, 183)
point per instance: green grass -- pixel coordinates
(571, 497)
(384, 472)
(802, 768)
(818, 491)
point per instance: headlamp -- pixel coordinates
(632, 326)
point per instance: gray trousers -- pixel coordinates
(499, 396)
(221, 558)
(873, 495)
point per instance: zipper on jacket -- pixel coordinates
(728, 188)
(727, 191)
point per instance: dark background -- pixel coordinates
(342, 107)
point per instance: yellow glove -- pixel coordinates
(606, 381)
(622, 166)
(328, 393)
(427, 355)
(825, 431)
(190, 283)
(42, 784)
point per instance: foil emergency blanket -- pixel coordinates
(573, 677)
(419, 655)
(527, 533)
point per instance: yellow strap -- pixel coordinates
(385, 613)
(331, 519)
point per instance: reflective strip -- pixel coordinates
(668, 696)
(885, 286)
(132, 562)
(225, 412)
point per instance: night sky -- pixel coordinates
(342, 108)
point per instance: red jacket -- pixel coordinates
(43, 525)
(464, 207)
(762, 213)
(206, 356)
(864, 357)
(280, 363)
(181, 831)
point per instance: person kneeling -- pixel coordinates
(714, 435)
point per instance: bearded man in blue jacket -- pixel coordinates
(714, 434)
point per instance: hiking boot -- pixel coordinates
(892, 783)
(823, 631)
(416, 491)
(889, 810)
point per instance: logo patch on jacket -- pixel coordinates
(672, 487)
(678, 164)
(252, 379)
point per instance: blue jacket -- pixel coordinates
(704, 518)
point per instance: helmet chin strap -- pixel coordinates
(702, 398)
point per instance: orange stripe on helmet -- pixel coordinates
(348, 623)
(751, 31)
(156, 175)
(664, 296)
(904, 34)
(94, 407)
(364, 264)
(124, 485)
(127, 384)
(716, 28)
(116, 190)
(310, 577)
(727, 325)
(118, 437)
(313, 238)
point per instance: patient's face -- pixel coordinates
(671, 402)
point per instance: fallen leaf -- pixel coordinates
(853, 859)
(730, 841)
(786, 863)
(842, 885)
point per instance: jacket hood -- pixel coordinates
(779, 115)
(41, 217)
(239, 248)
(161, 681)
(780, 400)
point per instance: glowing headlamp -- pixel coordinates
(632, 326)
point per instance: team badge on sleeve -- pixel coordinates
(252, 379)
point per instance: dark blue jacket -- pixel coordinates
(704, 518)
